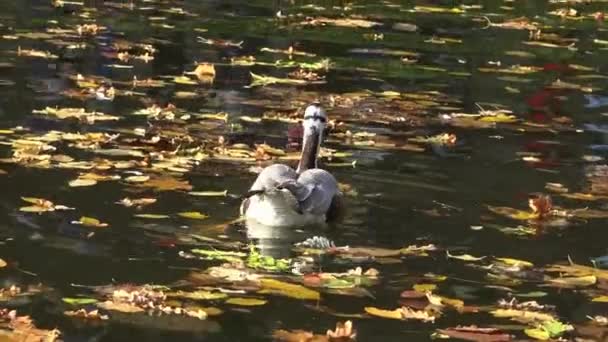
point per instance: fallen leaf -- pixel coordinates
(394, 314)
(464, 257)
(473, 333)
(574, 281)
(246, 301)
(82, 182)
(195, 215)
(152, 216)
(90, 222)
(79, 301)
(289, 290)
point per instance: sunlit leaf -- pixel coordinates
(424, 287)
(152, 216)
(474, 333)
(514, 213)
(574, 281)
(137, 179)
(246, 301)
(79, 301)
(464, 257)
(90, 222)
(209, 193)
(522, 315)
(515, 262)
(195, 215)
(82, 182)
(289, 290)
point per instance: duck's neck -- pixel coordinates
(310, 149)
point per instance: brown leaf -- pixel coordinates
(473, 333)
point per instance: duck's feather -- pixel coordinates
(282, 197)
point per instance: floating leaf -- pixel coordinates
(246, 301)
(473, 333)
(137, 179)
(464, 257)
(209, 193)
(90, 222)
(79, 301)
(198, 295)
(152, 216)
(424, 287)
(522, 315)
(514, 213)
(515, 262)
(539, 334)
(574, 281)
(289, 290)
(118, 306)
(394, 314)
(82, 182)
(195, 215)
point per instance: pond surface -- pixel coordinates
(447, 118)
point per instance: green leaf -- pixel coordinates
(195, 215)
(538, 334)
(79, 301)
(289, 290)
(152, 216)
(246, 301)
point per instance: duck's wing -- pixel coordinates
(315, 190)
(272, 176)
(269, 180)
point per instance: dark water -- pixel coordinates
(403, 197)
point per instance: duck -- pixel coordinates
(281, 196)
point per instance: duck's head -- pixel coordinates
(314, 124)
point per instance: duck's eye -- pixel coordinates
(315, 117)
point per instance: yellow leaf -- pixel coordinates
(33, 209)
(501, 117)
(209, 193)
(424, 287)
(408, 313)
(464, 257)
(289, 290)
(193, 215)
(514, 213)
(82, 182)
(538, 334)
(394, 314)
(246, 301)
(515, 262)
(522, 315)
(117, 306)
(90, 222)
(137, 179)
(574, 281)
(600, 299)
(184, 80)
(152, 216)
